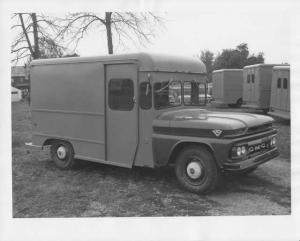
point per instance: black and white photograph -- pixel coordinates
(151, 121)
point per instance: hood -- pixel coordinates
(204, 119)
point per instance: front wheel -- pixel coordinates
(196, 170)
(62, 154)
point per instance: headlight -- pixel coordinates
(239, 151)
(273, 141)
(243, 150)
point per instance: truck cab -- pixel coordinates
(143, 110)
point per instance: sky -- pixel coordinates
(188, 33)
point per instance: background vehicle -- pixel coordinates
(257, 86)
(280, 92)
(228, 86)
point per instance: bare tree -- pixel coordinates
(138, 27)
(34, 37)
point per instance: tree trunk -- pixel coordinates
(26, 35)
(108, 32)
(35, 37)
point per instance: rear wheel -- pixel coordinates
(62, 154)
(196, 170)
(266, 110)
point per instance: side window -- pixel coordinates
(202, 91)
(145, 95)
(120, 94)
(285, 83)
(248, 78)
(253, 78)
(175, 93)
(167, 94)
(279, 83)
(187, 92)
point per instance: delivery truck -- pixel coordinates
(228, 87)
(142, 110)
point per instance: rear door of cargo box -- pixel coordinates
(121, 113)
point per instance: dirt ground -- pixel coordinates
(42, 190)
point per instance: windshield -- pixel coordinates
(169, 93)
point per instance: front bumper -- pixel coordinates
(251, 162)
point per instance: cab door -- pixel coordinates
(121, 114)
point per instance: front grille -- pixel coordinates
(260, 128)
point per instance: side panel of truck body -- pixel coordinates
(233, 86)
(228, 85)
(68, 103)
(218, 86)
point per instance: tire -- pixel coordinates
(187, 171)
(265, 111)
(62, 154)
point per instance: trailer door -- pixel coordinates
(121, 114)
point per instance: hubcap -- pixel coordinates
(61, 152)
(194, 170)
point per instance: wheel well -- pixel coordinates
(51, 141)
(179, 147)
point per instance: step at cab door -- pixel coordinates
(121, 114)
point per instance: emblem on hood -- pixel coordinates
(217, 132)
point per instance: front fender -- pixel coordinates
(164, 146)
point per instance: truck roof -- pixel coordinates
(262, 65)
(147, 62)
(285, 67)
(229, 70)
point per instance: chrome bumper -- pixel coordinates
(251, 162)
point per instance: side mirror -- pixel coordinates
(147, 89)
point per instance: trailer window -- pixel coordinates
(145, 95)
(253, 78)
(248, 78)
(167, 94)
(120, 94)
(285, 83)
(279, 83)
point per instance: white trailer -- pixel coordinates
(280, 92)
(16, 94)
(228, 86)
(257, 81)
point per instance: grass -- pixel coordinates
(40, 189)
